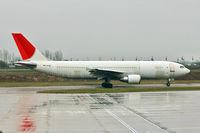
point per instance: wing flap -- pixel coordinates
(106, 73)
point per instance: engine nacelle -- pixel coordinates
(132, 79)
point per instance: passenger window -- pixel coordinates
(182, 67)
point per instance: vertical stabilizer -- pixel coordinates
(26, 49)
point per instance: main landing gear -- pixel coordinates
(168, 83)
(107, 84)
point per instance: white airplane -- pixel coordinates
(131, 72)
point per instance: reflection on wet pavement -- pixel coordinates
(26, 115)
(27, 124)
(147, 112)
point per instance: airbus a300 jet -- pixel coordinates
(131, 72)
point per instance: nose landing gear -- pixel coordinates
(168, 83)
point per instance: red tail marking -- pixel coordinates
(26, 49)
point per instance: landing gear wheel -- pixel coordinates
(107, 85)
(110, 85)
(103, 85)
(168, 84)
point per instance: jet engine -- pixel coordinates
(132, 79)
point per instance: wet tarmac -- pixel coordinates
(24, 110)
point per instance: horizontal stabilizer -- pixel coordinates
(26, 64)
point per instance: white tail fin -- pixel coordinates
(26, 49)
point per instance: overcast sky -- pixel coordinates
(104, 28)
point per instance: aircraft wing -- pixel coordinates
(106, 73)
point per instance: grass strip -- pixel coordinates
(86, 82)
(120, 90)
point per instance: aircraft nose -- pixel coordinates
(187, 71)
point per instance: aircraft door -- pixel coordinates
(171, 70)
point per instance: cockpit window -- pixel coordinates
(182, 67)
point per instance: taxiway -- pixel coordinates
(24, 110)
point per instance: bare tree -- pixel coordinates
(47, 54)
(58, 55)
(1, 55)
(5, 55)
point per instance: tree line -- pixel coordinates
(7, 58)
